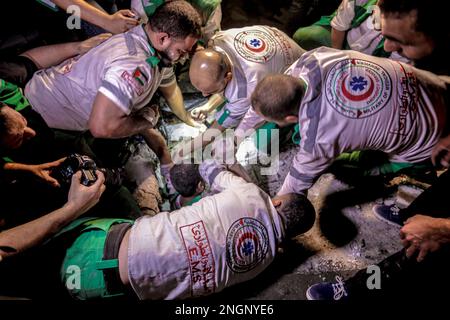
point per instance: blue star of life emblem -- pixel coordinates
(247, 248)
(255, 42)
(358, 83)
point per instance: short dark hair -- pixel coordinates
(185, 178)
(278, 96)
(298, 215)
(177, 18)
(429, 14)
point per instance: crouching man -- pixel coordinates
(199, 250)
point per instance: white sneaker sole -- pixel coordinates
(384, 219)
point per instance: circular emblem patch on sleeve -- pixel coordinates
(255, 45)
(358, 88)
(247, 244)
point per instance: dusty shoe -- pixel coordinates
(328, 291)
(389, 214)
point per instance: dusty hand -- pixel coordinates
(151, 114)
(121, 21)
(441, 152)
(43, 171)
(191, 122)
(86, 45)
(422, 234)
(82, 198)
(200, 113)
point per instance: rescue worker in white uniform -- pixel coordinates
(199, 250)
(345, 101)
(355, 25)
(108, 90)
(236, 59)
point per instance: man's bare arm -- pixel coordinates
(158, 144)
(174, 98)
(337, 38)
(28, 235)
(107, 120)
(47, 56)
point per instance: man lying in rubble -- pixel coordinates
(198, 250)
(186, 185)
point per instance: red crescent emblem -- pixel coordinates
(360, 97)
(245, 236)
(257, 50)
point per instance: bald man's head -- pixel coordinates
(209, 71)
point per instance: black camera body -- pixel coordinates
(75, 162)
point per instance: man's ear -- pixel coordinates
(200, 187)
(291, 119)
(276, 202)
(228, 76)
(163, 39)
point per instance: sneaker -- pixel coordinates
(389, 214)
(328, 291)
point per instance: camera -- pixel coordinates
(75, 162)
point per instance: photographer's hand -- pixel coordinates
(82, 198)
(40, 170)
(43, 171)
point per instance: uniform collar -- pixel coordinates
(153, 60)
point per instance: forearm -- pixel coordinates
(48, 56)
(214, 102)
(124, 127)
(174, 99)
(337, 38)
(23, 237)
(158, 144)
(88, 12)
(16, 166)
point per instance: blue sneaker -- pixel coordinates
(389, 214)
(328, 291)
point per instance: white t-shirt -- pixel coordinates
(253, 52)
(64, 95)
(220, 241)
(358, 102)
(365, 37)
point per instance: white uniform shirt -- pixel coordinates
(221, 240)
(253, 52)
(64, 95)
(359, 102)
(365, 37)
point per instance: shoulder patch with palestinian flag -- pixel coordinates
(140, 76)
(137, 80)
